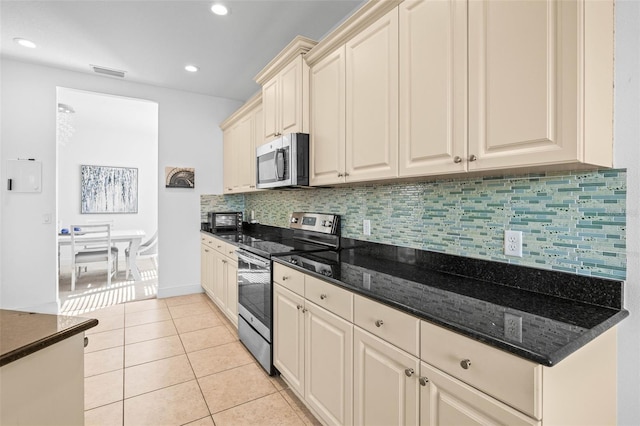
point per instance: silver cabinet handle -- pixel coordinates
(408, 372)
(465, 363)
(379, 323)
(304, 310)
(86, 341)
(206, 251)
(472, 157)
(323, 296)
(457, 159)
(346, 174)
(299, 307)
(284, 278)
(340, 175)
(423, 381)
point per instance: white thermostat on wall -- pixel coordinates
(24, 175)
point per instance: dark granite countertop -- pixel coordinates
(560, 312)
(23, 333)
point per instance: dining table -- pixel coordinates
(132, 236)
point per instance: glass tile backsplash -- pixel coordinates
(571, 221)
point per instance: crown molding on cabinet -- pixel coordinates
(360, 20)
(299, 45)
(251, 103)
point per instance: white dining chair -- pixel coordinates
(148, 249)
(99, 236)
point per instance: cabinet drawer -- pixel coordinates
(387, 323)
(207, 239)
(513, 380)
(329, 296)
(289, 278)
(230, 251)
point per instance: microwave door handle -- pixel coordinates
(279, 165)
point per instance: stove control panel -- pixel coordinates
(318, 222)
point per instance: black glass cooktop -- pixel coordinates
(273, 246)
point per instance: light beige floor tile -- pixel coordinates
(298, 406)
(103, 361)
(107, 415)
(219, 358)
(106, 323)
(108, 311)
(103, 389)
(146, 317)
(105, 340)
(277, 381)
(144, 305)
(189, 309)
(234, 387)
(207, 421)
(206, 338)
(183, 300)
(174, 405)
(197, 322)
(152, 350)
(150, 331)
(157, 374)
(269, 410)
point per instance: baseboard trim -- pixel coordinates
(183, 290)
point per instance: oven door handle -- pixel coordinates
(252, 259)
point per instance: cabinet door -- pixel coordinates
(291, 97)
(244, 153)
(385, 382)
(270, 108)
(445, 400)
(228, 164)
(219, 280)
(433, 87)
(206, 268)
(372, 101)
(231, 293)
(288, 336)
(328, 133)
(523, 84)
(329, 365)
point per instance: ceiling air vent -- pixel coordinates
(107, 71)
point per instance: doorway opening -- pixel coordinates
(107, 173)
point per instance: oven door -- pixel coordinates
(254, 292)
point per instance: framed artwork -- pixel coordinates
(180, 177)
(105, 189)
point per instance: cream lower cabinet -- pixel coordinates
(218, 274)
(386, 390)
(313, 346)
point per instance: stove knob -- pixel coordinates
(327, 273)
(327, 223)
(294, 220)
(293, 261)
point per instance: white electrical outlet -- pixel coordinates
(513, 243)
(366, 227)
(512, 327)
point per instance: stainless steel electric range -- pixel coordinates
(312, 232)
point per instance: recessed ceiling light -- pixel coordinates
(24, 42)
(191, 68)
(219, 9)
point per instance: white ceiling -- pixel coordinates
(153, 40)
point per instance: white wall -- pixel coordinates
(627, 155)
(109, 131)
(188, 135)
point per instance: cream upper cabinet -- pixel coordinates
(386, 389)
(433, 87)
(372, 101)
(328, 131)
(241, 131)
(285, 91)
(540, 83)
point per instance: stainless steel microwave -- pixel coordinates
(283, 162)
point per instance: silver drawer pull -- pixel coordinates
(457, 159)
(323, 296)
(284, 278)
(379, 323)
(423, 381)
(465, 363)
(408, 372)
(86, 341)
(304, 310)
(472, 157)
(299, 307)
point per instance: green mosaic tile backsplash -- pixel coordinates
(571, 221)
